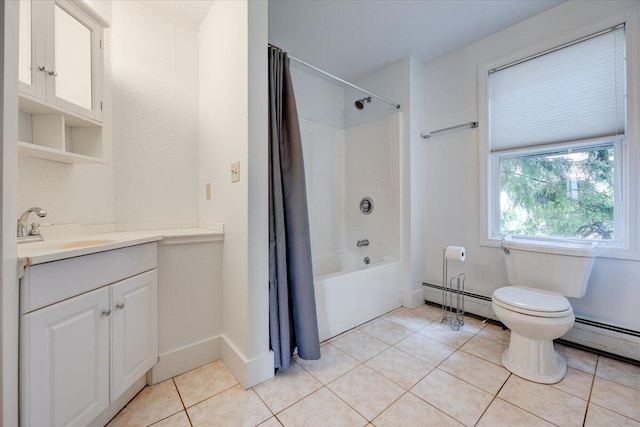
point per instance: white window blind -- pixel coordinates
(573, 93)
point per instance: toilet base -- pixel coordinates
(534, 360)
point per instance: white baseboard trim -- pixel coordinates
(589, 334)
(260, 369)
(413, 298)
(247, 372)
(181, 360)
(113, 409)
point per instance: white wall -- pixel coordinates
(155, 117)
(9, 314)
(150, 132)
(321, 115)
(417, 181)
(451, 165)
(233, 127)
(74, 194)
(71, 194)
(317, 99)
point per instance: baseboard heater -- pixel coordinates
(619, 343)
(466, 294)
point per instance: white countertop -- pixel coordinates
(86, 244)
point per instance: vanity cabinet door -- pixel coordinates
(134, 344)
(65, 361)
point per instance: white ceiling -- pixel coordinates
(189, 13)
(352, 38)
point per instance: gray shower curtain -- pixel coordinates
(292, 304)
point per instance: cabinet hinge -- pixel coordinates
(100, 44)
(100, 105)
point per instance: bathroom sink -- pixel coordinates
(72, 246)
(84, 243)
(62, 244)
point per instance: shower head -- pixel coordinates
(360, 102)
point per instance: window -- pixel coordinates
(564, 193)
(556, 142)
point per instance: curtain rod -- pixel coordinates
(306, 64)
(557, 48)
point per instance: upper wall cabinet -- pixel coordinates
(60, 59)
(60, 76)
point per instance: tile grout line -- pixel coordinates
(184, 407)
(477, 333)
(486, 337)
(435, 407)
(389, 405)
(346, 403)
(495, 396)
(214, 395)
(265, 403)
(612, 381)
(593, 382)
(275, 414)
(526, 410)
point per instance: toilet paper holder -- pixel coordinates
(452, 292)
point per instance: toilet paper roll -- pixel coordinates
(457, 253)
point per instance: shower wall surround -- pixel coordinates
(324, 158)
(355, 256)
(343, 165)
(371, 160)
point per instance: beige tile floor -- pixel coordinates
(402, 369)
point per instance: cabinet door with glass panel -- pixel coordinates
(61, 56)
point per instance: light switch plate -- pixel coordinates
(235, 171)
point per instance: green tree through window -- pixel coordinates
(561, 194)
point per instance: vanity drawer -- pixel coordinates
(48, 283)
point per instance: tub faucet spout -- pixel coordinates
(364, 242)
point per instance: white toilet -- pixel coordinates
(534, 307)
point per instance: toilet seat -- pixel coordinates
(532, 302)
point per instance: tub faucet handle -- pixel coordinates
(363, 242)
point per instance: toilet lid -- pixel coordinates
(531, 299)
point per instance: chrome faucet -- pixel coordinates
(34, 234)
(364, 242)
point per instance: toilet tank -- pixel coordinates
(563, 268)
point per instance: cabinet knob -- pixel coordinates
(106, 313)
(43, 68)
(53, 73)
(120, 306)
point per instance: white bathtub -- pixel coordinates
(350, 292)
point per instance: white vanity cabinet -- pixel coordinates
(60, 79)
(88, 332)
